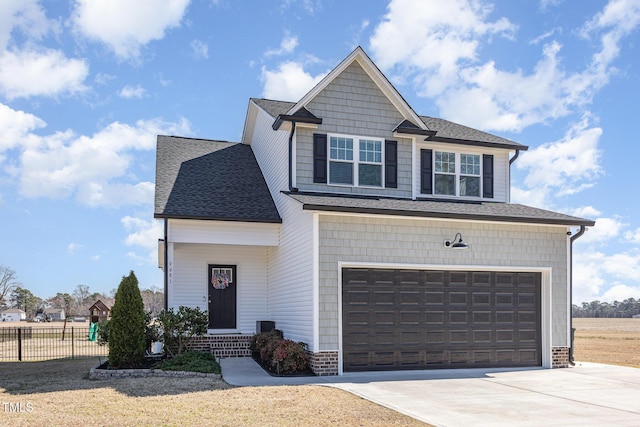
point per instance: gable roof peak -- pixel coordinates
(360, 56)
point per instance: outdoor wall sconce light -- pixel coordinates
(456, 243)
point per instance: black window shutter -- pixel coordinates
(426, 179)
(319, 158)
(487, 176)
(391, 164)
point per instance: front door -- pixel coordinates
(222, 296)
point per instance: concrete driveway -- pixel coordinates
(587, 394)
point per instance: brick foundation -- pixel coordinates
(324, 363)
(560, 357)
(231, 345)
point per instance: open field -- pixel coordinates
(58, 392)
(612, 341)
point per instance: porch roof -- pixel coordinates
(213, 180)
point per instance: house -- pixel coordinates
(13, 315)
(381, 238)
(55, 314)
(99, 312)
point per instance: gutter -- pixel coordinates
(571, 240)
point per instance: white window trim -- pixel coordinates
(457, 174)
(356, 160)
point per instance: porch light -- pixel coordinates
(456, 243)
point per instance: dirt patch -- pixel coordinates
(611, 341)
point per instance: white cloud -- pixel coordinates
(566, 166)
(604, 230)
(27, 16)
(40, 73)
(633, 236)
(289, 82)
(103, 78)
(130, 92)
(287, 46)
(126, 26)
(144, 234)
(15, 127)
(437, 46)
(586, 211)
(72, 247)
(598, 276)
(96, 169)
(621, 292)
(199, 49)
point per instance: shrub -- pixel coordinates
(261, 340)
(281, 355)
(289, 356)
(103, 332)
(191, 361)
(126, 328)
(179, 327)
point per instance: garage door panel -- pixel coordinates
(409, 319)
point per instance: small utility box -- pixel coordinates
(265, 326)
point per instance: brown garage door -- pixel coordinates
(412, 319)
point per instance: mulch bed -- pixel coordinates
(274, 373)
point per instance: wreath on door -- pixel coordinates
(220, 281)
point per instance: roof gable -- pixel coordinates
(374, 73)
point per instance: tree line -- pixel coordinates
(627, 308)
(77, 303)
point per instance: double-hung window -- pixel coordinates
(355, 161)
(457, 174)
(445, 173)
(341, 160)
(470, 175)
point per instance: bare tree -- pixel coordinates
(8, 282)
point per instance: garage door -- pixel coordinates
(412, 319)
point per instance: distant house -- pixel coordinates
(99, 312)
(13, 315)
(55, 313)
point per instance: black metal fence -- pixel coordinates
(33, 343)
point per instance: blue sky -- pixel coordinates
(86, 85)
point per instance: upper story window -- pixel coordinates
(355, 161)
(456, 174)
(451, 180)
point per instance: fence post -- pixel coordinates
(72, 344)
(20, 344)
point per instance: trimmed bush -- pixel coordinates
(283, 356)
(191, 361)
(127, 325)
(289, 356)
(179, 327)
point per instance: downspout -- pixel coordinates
(293, 130)
(513, 159)
(571, 240)
(166, 266)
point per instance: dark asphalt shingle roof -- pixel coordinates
(203, 179)
(486, 211)
(444, 128)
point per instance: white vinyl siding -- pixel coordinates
(290, 271)
(190, 283)
(224, 232)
